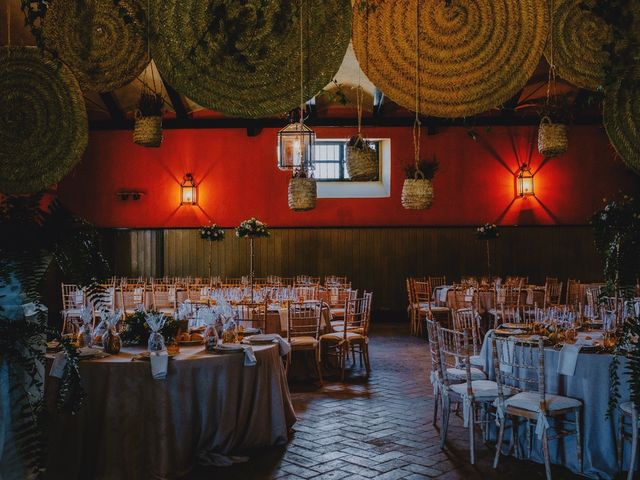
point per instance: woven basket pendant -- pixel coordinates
(147, 130)
(362, 161)
(552, 138)
(302, 194)
(417, 193)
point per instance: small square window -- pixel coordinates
(330, 160)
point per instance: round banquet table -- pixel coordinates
(133, 427)
(589, 383)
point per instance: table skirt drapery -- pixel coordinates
(134, 427)
(590, 384)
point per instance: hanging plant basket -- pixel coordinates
(552, 138)
(417, 193)
(362, 160)
(147, 130)
(302, 193)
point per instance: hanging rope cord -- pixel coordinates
(301, 65)
(8, 24)
(145, 85)
(551, 84)
(416, 122)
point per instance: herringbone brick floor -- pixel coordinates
(378, 428)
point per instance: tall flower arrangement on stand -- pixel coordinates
(251, 229)
(211, 233)
(487, 232)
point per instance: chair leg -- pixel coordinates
(318, 366)
(365, 350)
(436, 401)
(344, 350)
(634, 444)
(444, 418)
(515, 437)
(472, 434)
(545, 451)
(499, 443)
(579, 438)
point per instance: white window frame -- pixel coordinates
(380, 188)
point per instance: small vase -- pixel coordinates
(111, 342)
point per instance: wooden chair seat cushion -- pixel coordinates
(531, 401)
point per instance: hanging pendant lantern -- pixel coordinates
(296, 145)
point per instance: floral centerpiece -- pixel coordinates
(488, 231)
(252, 228)
(212, 232)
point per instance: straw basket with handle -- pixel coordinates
(302, 193)
(552, 138)
(361, 159)
(147, 130)
(417, 192)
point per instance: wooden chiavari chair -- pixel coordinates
(73, 300)
(628, 410)
(164, 298)
(352, 333)
(132, 297)
(520, 368)
(303, 332)
(337, 300)
(507, 299)
(305, 281)
(573, 294)
(435, 378)
(199, 293)
(306, 293)
(463, 383)
(335, 281)
(552, 292)
(251, 315)
(467, 319)
(464, 296)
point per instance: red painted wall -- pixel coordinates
(238, 178)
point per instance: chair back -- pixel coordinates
(164, 296)
(304, 320)
(508, 296)
(432, 333)
(552, 292)
(573, 295)
(466, 319)
(465, 296)
(132, 295)
(73, 297)
(355, 316)
(199, 292)
(251, 315)
(519, 366)
(454, 355)
(307, 292)
(368, 296)
(437, 282)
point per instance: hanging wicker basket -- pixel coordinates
(362, 160)
(302, 194)
(147, 130)
(417, 193)
(552, 138)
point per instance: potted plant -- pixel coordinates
(417, 191)
(302, 191)
(148, 125)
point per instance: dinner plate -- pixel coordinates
(146, 356)
(509, 331)
(229, 348)
(516, 326)
(190, 343)
(261, 339)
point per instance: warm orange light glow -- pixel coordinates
(524, 182)
(188, 191)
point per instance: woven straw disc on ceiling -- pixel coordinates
(103, 43)
(622, 118)
(258, 73)
(578, 40)
(474, 54)
(43, 122)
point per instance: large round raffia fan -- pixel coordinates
(102, 41)
(622, 118)
(474, 54)
(243, 58)
(43, 121)
(578, 39)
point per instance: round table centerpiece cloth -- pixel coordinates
(621, 117)
(474, 54)
(243, 58)
(43, 121)
(579, 38)
(102, 41)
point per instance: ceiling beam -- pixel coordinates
(510, 105)
(179, 106)
(491, 120)
(109, 100)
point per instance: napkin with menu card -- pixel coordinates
(159, 364)
(569, 358)
(249, 357)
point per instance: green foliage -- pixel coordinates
(136, 331)
(212, 233)
(617, 237)
(427, 167)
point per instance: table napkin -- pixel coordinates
(284, 324)
(57, 367)
(159, 363)
(249, 357)
(568, 359)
